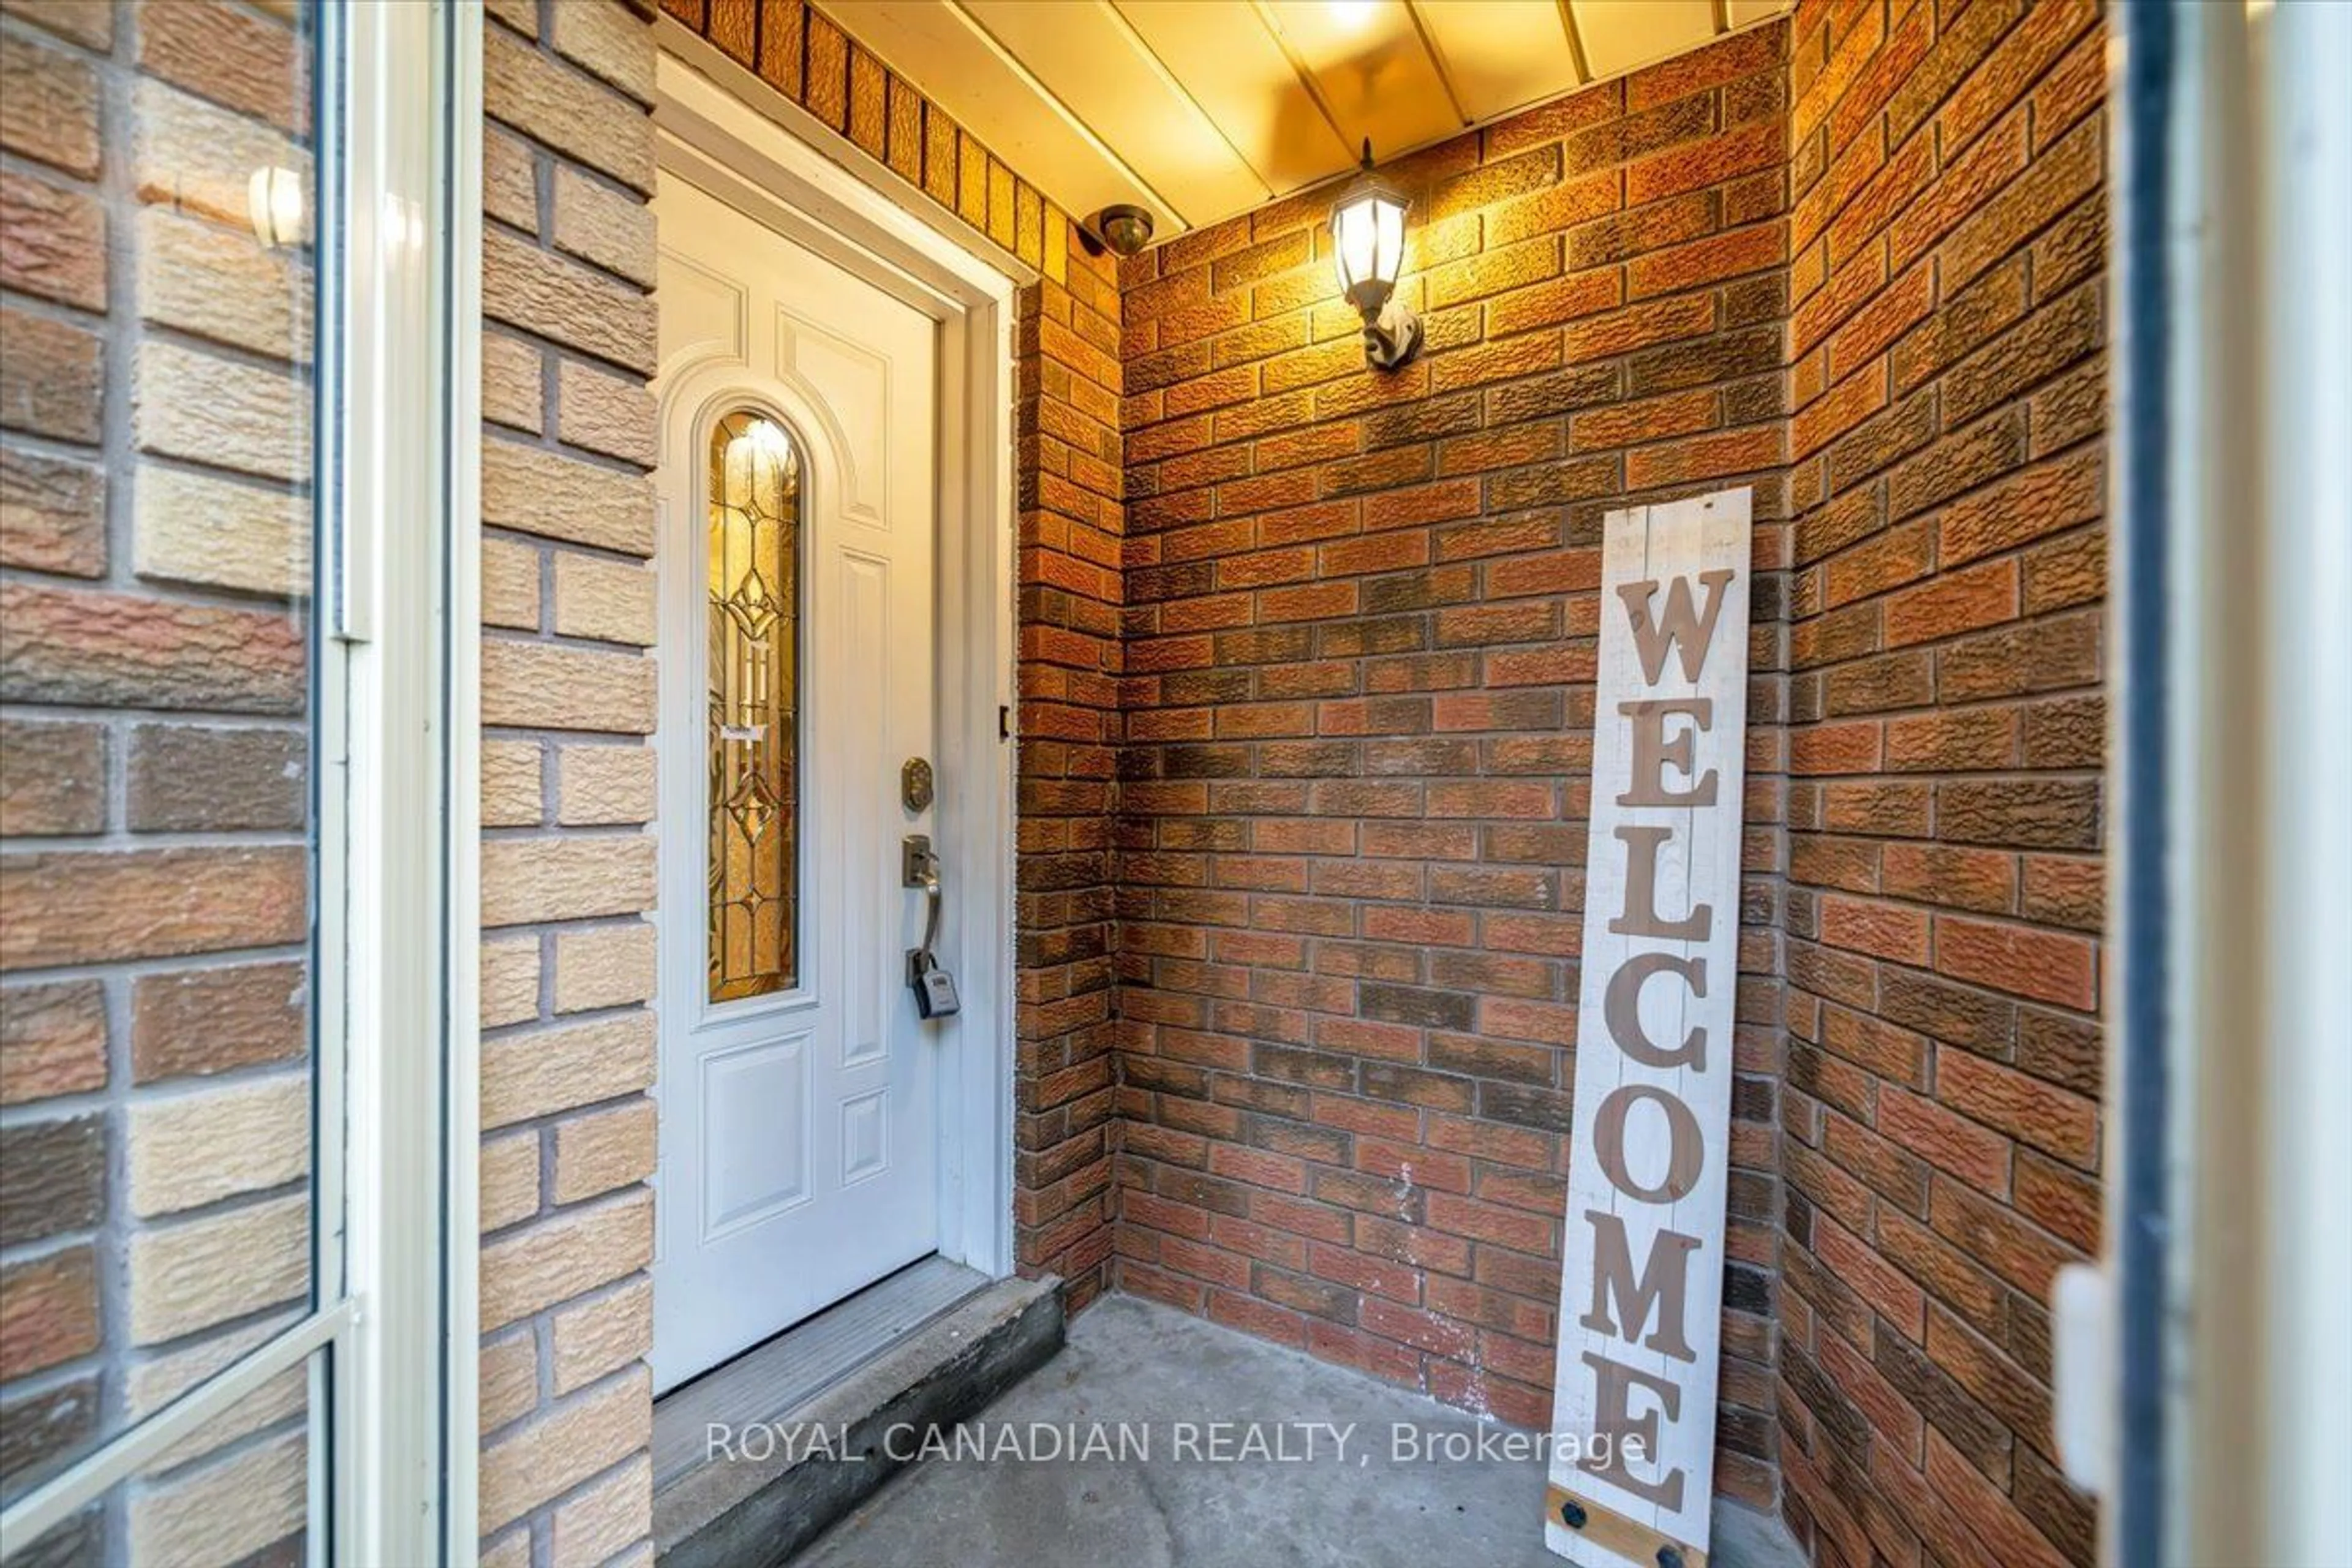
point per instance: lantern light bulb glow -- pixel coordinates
(1368, 236)
(273, 203)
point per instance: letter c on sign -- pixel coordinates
(1622, 1008)
(1683, 1144)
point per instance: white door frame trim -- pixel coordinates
(725, 132)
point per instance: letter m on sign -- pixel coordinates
(1641, 1304)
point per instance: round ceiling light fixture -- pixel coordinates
(1119, 229)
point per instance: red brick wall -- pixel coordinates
(1941, 1110)
(1361, 622)
(1071, 523)
(1067, 468)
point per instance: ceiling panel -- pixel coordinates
(1369, 70)
(940, 49)
(1235, 69)
(1087, 55)
(1618, 35)
(1199, 109)
(1500, 54)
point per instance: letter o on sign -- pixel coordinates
(1684, 1146)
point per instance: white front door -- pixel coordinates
(798, 1093)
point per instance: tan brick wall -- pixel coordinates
(1942, 1157)
(1361, 619)
(568, 853)
(154, 559)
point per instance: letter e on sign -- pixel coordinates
(1633, 1470)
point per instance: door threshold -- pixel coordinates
(753, 1460)
(779, 1374)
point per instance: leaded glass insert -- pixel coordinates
(755, 708)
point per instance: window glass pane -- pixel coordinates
(754, 687)
(237, 1490)
(156, 703)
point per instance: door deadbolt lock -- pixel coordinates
(915, 784)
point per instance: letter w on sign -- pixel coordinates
(1632, 1466)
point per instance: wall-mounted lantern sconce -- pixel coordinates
(1367, 240)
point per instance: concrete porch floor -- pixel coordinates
(1129, 1361)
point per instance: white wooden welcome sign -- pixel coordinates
(1633, 1454)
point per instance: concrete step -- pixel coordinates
(748, 1493)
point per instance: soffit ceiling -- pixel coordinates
(1197, 109)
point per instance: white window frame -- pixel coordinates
(396, 706)
(2201, 1368)
(2257, 527)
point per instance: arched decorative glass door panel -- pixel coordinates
(754, 623)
